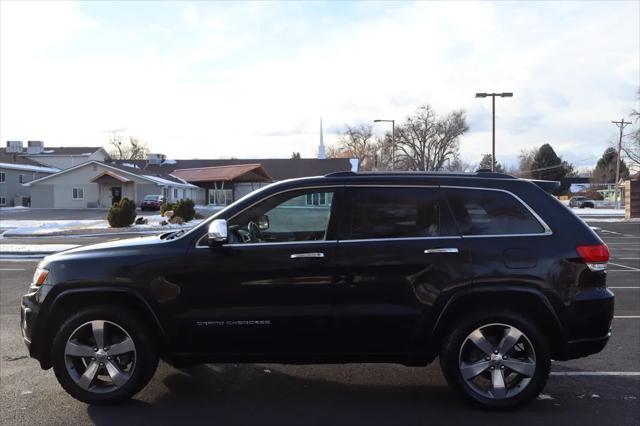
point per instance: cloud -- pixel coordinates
(252, 79)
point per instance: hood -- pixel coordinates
(109, 248)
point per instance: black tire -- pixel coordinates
(451, 351)
(146, 354)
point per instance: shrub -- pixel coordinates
(122, 213)
(185, 209)
(166, 206)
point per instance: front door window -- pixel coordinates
(285, 217)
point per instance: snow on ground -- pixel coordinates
(15, 208)
(209, 207)
(35, 248)
(48, 227)
(599, 212)
(610, 219)
(44, 227)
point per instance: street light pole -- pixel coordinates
(393, 140)
(493, 121)
(621, 124)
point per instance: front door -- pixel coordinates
(116, 194)
(269, 289)
(399, 252)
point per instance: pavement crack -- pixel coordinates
(14, 358)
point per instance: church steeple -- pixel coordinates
(321, 153)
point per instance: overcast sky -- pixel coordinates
(214, 79)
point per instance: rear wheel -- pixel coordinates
(103, 355)
(496, 360)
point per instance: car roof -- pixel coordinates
(476, 179)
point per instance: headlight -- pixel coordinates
(39, 277)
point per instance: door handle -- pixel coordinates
(306, 255)
(442, 250)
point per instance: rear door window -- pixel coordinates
(489, 212)
(392, 212)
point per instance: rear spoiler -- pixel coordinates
(547, 185)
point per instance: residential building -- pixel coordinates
(224, 184)
(63, 157)
(94, 184)
(228, 180)
(15, 170)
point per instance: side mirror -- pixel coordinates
(217, 232)
(263, 222)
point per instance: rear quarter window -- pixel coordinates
(490, 212)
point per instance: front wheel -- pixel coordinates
(103, 355)
(496, 360)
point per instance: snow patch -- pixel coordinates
(35, 248)
(44, 227)
(29, 168)
(169, 162)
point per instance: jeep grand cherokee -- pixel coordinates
(485, 271)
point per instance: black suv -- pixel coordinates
(488, 272)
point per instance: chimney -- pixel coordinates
(35, 147)
(14, 147)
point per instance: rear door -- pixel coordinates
(398, 251)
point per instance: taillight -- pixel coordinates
(595, 256)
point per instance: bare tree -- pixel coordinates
(525, 160)
(131, 148)
(426, 142)
(356, 142)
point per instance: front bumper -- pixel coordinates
(29, 311)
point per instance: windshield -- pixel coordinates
(152, 197)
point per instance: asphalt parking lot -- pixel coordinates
(603, 389)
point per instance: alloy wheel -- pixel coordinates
(497, 361)
(100, 356)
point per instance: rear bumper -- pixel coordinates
(584, 347)
(587, 323)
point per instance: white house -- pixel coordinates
(94, 184)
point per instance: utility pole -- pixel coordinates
(493, 121)
(621, 125)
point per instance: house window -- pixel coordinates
(319, 199)
(165, 193)
(20, 178)
(78, 194)
(2, 177)
(175, 193)
(3, 200)
(220, 197)
(184, 193)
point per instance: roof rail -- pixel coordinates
(479, 173)
(338, 174)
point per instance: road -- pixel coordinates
(603, 389)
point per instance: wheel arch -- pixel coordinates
(69, 301)
(531, 301)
